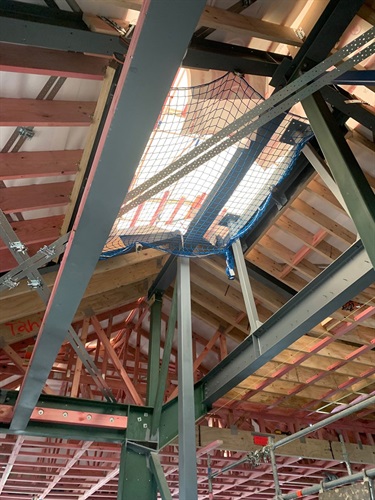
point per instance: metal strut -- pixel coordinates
(29, 268)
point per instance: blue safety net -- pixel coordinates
(204, 211)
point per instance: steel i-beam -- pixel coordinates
(186, 408)
(153, 58)
(338, 283)
(153, 366)
(351, 181)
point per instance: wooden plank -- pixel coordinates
(325, 222)
(34, 197)
(18, 314)
(97, 25)
(239, 24)
(323, 248)
(215, 18)
(27, 165)
(274, 268)
(126, 269)
(39, 61)
(34, 234)
(317, 449)
(21, 329)
(36, 231)
(103, 96)
(110, 278)
(231, 290)
(323, 192)
(281, 252)
(367, 13)
(216, 306)
(42, 113)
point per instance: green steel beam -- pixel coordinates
(168, 429)
(136, 480)
(352, 183)
(160, 478)
(153, 367)
(164, 366)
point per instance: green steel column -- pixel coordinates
(186, 405)
(154, 350)
(136, 481)
(160, 478)
(352, 183)
(158, 403)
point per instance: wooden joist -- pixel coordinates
(34, 197)
(98, 25)
(239, 24)
(39, 61)
(42, 113)
(90, 141)
(34, 234)
(115, 282)
(39, 164)
(317, 217)
(36, 231)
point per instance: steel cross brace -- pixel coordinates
(37, 283)
(27, 265)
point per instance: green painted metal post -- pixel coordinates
(164, 366)
(186, 405)
(154, 350)
(160, 478)
(136, 480)
(352, 183)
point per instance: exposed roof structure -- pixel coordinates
(111, 368)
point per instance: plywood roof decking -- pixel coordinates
(330, 366)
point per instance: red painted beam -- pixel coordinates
(33, 113)
(34, 197)
(39, 164)
(38, 61)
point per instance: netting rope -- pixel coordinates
(203, 212)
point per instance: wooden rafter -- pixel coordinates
(43, 113)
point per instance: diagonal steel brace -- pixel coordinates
(37, 282)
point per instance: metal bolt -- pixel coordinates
(35, 283)
(65, 414)
(145, 414)
(111, 420)
(89, 417)
(145, 426)
(40, 412)
(139, 419)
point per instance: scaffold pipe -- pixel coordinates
(325, 422)
(311, 490)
